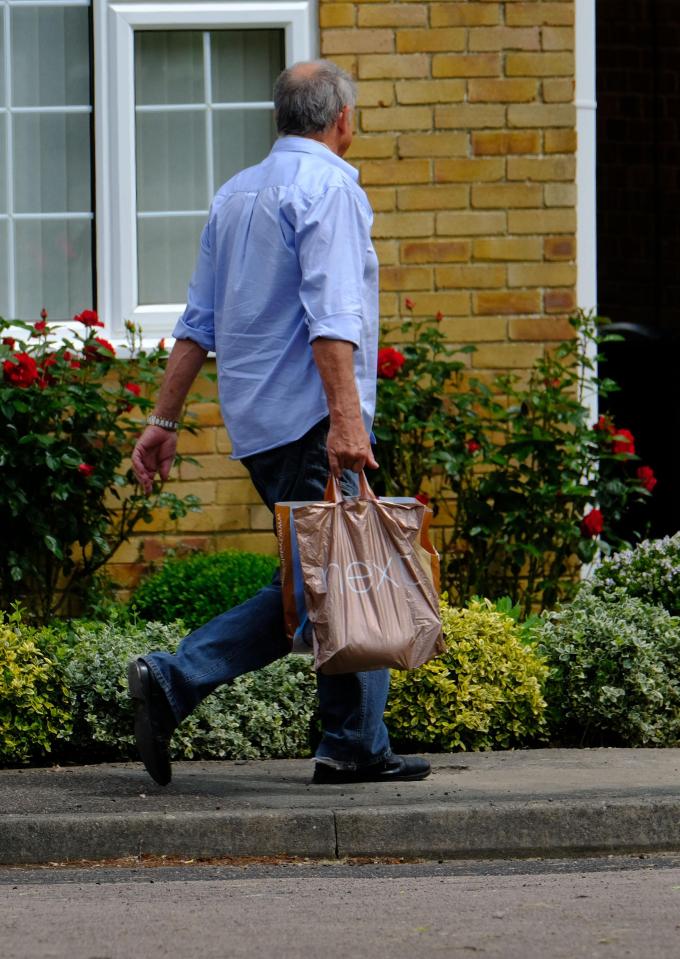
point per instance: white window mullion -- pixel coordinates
(164, 214)
(84, 215)
(253, 105)
(169, 107)
(49, 3)
(9, 185)
(192, 107)
(60, 110)
(207, 79)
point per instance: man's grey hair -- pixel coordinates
(310, 100)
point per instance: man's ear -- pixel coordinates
(345, 120)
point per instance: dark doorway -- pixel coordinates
(638, 224)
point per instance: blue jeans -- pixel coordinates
(251, 635)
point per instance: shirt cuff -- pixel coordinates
(201, 335)
(337, 326)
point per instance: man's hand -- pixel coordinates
(156, 447)
(349, 447)
(154, 453)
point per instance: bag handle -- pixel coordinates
(334, 494)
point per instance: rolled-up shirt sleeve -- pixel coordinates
(333, 237)
(197, 323)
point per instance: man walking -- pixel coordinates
(285, 292)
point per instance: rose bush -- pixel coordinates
(67, 495)
(525, 485)
(413, 425)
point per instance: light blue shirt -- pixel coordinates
(285, 257)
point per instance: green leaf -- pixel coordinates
(53, 546)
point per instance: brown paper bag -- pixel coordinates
(368, 582)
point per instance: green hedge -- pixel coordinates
(651, 572)
(607, 664)
(261, 715)
(197, 588)
(484, 692)
(35, 711)
(614, 671)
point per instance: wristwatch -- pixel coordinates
(153, 420)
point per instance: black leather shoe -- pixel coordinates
(154, 721)
(394, 769)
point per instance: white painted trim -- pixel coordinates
(586, 183)
(586, 155)
(586, 107)
(114, 26)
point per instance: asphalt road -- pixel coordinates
(612, 907)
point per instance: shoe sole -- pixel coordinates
(415, 777)
(139, 694)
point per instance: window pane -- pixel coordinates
(171, 161)
(3, 162)
(50, 56)
(176, 169)
(166, 254)
(245, 64)
(2, 57)
(53, 267)
(52, 163)
(5, 309)
(241, 138)
(169, 67)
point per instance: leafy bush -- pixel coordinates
(651, 571)
(34, 703)
(484, 692)
(196, 588)
(614, 671)
(261, 715)
(524, 483)
(68, 497)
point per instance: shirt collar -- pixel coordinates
(293, 144)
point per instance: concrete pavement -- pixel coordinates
(517, 803)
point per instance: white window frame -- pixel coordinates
(115, 157)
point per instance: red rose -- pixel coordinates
(8, 341)
(161, 344)
(473, 446)
(408, 303)
(647, 478)
(604, 425)
(390, 361)
(88, 318)
(98, 350)
(422, 498)
(85, 469)
(40, 327)
(43, 314)
(623, 441)
(593, 523)
(46, 378)
(439, 317)
(21, 371)
(135, 389)
(68, 358)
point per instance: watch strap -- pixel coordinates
(153, 420)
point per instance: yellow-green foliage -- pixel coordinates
(33, 701)
(484, 692)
